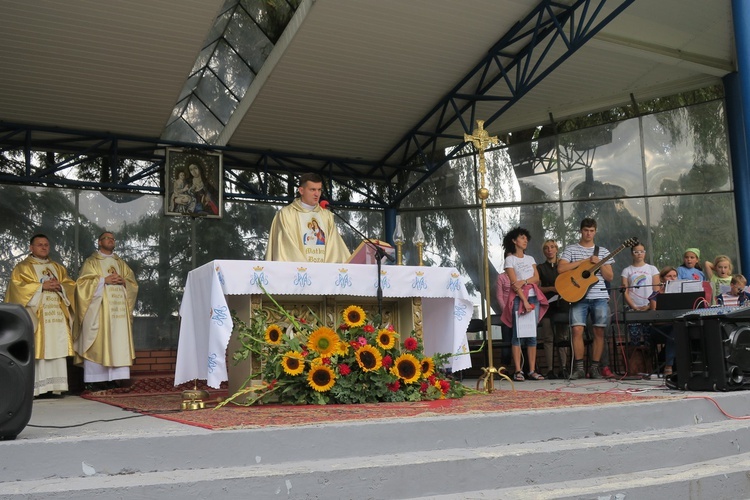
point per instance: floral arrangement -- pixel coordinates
(358, 362)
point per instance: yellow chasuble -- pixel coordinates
(105, 312)
(301, 235)
(51, 312)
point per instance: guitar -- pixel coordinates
(574, 284)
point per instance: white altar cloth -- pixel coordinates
(206, 324)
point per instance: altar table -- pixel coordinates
(206, 324)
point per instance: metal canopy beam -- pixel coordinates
(75, 147)
(530, 51)
(522, 58)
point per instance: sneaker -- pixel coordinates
(594, 371)
(607, 373)
(577, 374)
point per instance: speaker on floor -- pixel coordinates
(713, 354)
(16, 369)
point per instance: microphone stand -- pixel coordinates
(379, 254)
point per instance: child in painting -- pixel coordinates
(180, 198)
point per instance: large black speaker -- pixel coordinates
(713, 353)
(16, 369)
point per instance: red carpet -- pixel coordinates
(155, 398)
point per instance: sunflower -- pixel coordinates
(343, 348)
(406, 367)
(369, 358)
(428, 367)
(321, 378)
(354, 316)
(324, 341)
(386, 339)
(293, 363)
(273, 334)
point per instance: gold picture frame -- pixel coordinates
(193, 184)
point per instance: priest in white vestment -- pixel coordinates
(105, 297)
(44, 288)
(303, 231)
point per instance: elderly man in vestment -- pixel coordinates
(44, 288)
(303, 231)
(105, 297)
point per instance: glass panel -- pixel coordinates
(272, 17)
(248, 40)
(617, 220)
(687, 150)
(602, 162)
(222, 20)
(190, 85)
(179, 130)
(231, 70)
(36, 210)
(705, 221)
(216, 97)
(204, 123)
(203, 58)
(178, 110)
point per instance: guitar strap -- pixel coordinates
(596, 251)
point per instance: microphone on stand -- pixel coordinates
(379, 252)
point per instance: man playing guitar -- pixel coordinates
(595, 302)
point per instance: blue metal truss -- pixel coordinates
(515, 65)
(521, 59)
(248, 173)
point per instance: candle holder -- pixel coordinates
(398, 240)
(419, 240)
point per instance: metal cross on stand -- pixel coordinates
(481, 141)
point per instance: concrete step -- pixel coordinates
(576, 453)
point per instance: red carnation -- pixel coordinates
(423, 387)
(390, 328)
(445, 386)
(343, 327)
(431, 379)
(410, 344)
(344, 369)
(395, 386)
(387, 361)
(326, 361)
(368, 328)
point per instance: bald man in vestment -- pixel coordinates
(303, 231)
(44, 288)
(105, 297)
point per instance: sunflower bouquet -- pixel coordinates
(357, 362)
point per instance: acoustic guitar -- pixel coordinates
(574, 284)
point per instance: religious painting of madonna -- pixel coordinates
(193, 184)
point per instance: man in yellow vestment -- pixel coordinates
(44, 288)
(303, 231)
(105, 297)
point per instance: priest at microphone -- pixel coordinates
(304, 231)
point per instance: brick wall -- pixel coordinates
(156, 361)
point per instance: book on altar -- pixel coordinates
(365, 253)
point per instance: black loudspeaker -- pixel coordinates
(16, 369)
(713, 354)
